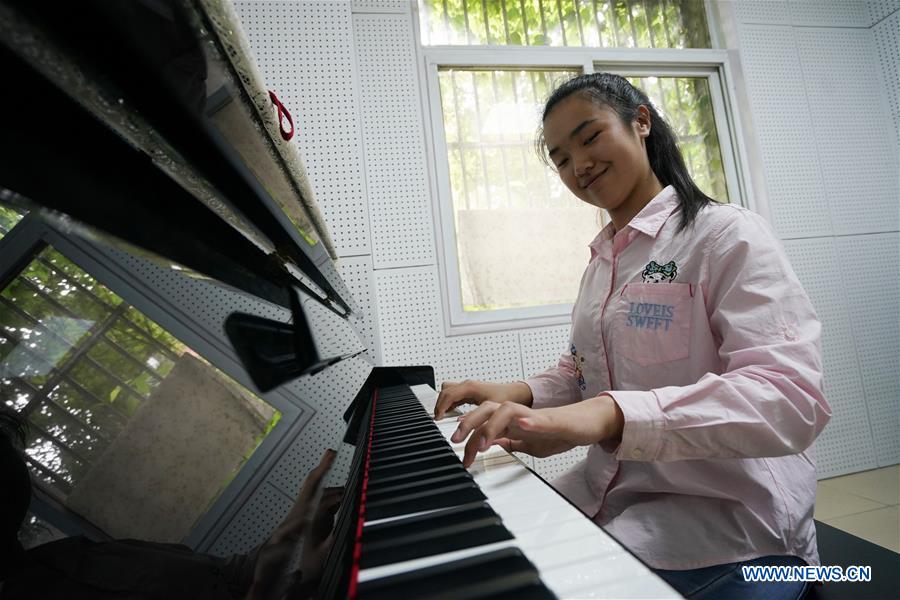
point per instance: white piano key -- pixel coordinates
(426, 395)
(577, 579)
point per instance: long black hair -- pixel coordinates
(617, 93)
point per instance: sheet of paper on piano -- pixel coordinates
(575, 557)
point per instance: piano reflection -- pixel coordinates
(161, 98)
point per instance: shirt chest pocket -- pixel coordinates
(652, 322)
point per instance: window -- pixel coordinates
(504, 200)
(114, 401)
(514, 239)
(686, 103)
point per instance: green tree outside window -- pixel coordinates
(572, 23)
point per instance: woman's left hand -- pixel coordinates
(539, 432)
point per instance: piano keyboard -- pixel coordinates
(428, 528)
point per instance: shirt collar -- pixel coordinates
(649, 220)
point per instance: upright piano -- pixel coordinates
(166, 93)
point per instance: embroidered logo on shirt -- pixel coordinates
(646, 315)
(578, 360)
(654, 273)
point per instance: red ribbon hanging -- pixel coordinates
(282, 115)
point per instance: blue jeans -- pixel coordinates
(724, 582)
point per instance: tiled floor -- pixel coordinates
(865, 504)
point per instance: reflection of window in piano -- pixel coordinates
(9, 217)
(36, 531)
(114, 403)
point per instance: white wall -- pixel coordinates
(821, 82)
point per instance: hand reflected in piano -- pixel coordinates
(455, 394)
(310, 523)
(539, 432)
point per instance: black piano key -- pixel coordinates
(409, 449)
(406, 457)
(388, 432)
(409, 440)
(439, 540)
(397, 404)
(384, 531)
(517, 586)
(398, 531)
(392, 422)
(400, 433)
(412, 465)
(390, 403)
(398, 420)
(383, 479)
(504, 573)
(397, 433)
(404, 448)
(412, 483)
(418, 479)
(399, 410)
(386, 494)
(398, 391)
(429, 499)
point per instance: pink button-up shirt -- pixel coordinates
(710, 346)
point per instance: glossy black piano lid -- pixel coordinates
(147, 54)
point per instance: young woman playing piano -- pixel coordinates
(693, 371)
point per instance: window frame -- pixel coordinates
(24, 242)
(713, 63)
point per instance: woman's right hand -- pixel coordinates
(455, 394)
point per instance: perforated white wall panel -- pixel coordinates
(305, 52)
(846, 445)
(195, 300)
(333, 335)
(357, 275)
(783, 124)
(830, 13)
(879, 9)
(554, 466)
(329, 393)
(253, 522)
(834, 65)
(887, 43)
(412, 332)
(364, 6)
(776, 12)
(856, 149)
(399, 203)
(541, 348)
(870, 272)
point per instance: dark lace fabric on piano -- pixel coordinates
(76, 568)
